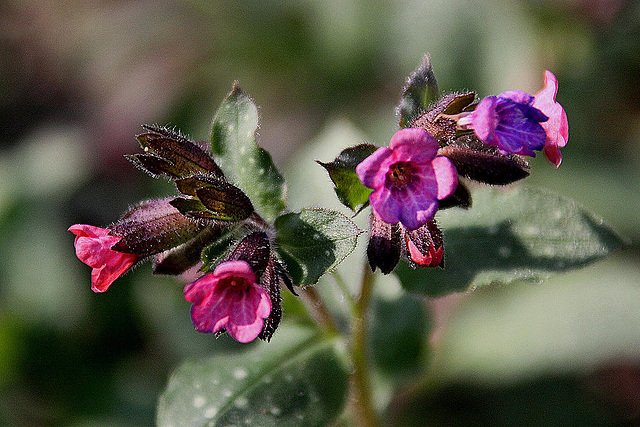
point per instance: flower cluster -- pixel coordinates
(241, 294)
(418, 172)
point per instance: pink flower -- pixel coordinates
(557, 127)
(93, 247)
(408, 178)
(229, 299)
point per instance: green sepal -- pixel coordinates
(250, 167)
(227, 202)
(154, 165)
(419, 92)
(181, 258)
(342, 171)
(220, 249)
(215, 199)
(314, 241)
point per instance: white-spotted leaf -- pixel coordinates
(245, 164)
(515, 234)
(299, 378)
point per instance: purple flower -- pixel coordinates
(508, 121)
(229, 299)
(557, 127)
(408, 178)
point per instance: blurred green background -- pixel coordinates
(78, 78)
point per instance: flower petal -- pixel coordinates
(417, 209)
(229, 299)
(557, 127)
(247, 319)
(446, 176)
(414, 145)
(236, 268)
(93, 247)
(370, 167)
(485, 120)
(386, 206)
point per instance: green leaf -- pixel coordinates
(300, 378)
(314, 241)
(350, 191)
(420, 91)
(521, 234)
(233, 141)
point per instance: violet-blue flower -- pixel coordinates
(408, 178)
(508, 121)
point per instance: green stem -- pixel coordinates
(318, 310)
(361, 396)
(345, 291)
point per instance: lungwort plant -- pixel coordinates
(229, 220)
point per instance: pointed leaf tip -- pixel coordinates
(419, 92)
(250, 167)
(342, 171)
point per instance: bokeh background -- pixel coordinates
(78, 78)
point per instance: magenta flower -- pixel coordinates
(229, 299)
(93, 247)
(508, 121)
(408, 178)
(557, 127)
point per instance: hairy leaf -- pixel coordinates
(299, 378)
(420, 90)
(233, 141)
(314, 241)
(522, 234)
(342, 171)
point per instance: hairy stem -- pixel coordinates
(361, 396)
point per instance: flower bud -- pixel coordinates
(383, 250)
(152, 227)
(424, 245)
(484, 163)
(169, 153)
(271, 282)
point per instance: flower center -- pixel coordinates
(401, 174)
(236, 283)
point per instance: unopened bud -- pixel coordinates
(383, 251)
